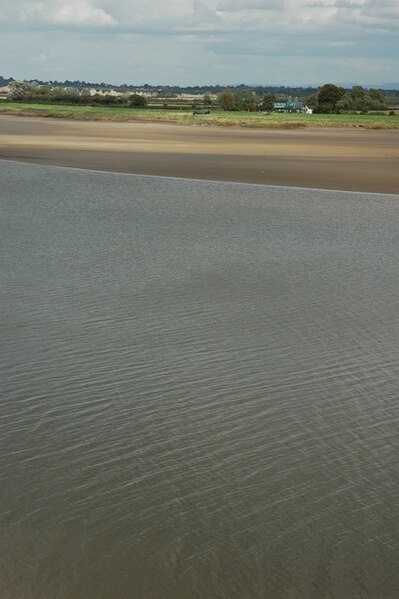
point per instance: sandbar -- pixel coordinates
(342, 159)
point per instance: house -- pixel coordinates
(4, 92)
(100, 92)
(291, 105)
(279, 106)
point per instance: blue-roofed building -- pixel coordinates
(290, 105)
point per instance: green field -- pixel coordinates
(243, 119)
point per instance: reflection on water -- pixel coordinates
(199, 389)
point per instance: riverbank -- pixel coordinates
(346, 159)
(255, 120)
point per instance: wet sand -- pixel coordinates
(355, 160)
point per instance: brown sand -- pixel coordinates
(349, 159)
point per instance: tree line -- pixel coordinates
(23, 91)
(245, 99)
(332, 98)
(329, 99)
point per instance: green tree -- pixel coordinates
(226, 100)
(311, 101)
(268, 101)
(357, 93)
(207, 100)
(328, 96)
(42, 91)
(344, 104)
(22, 90)
(69, 95)
(138, 101)
(245, 100)
(85, 96)
(377, 96)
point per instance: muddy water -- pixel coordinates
(199, 389)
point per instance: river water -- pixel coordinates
(199, 389)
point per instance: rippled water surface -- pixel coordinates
(199, 389)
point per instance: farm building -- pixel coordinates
(291, 105)
(4, 92)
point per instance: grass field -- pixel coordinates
(242, 119)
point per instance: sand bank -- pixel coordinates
(357, 160)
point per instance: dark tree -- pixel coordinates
(328, 97)
(268, 101)
(357, 93)
(227, 100)
(138, 101)
(245, 100)
(311, 101)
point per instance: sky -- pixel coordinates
(197, 42)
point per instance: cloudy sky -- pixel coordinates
(201, 41)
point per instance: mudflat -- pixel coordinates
(343, 159)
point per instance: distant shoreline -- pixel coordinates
(256, 120)
(324, 158)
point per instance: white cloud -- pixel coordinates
(66, 13)
(318, 13)
(340, 44)
(220, 15)
(234, 5)
(81, 12)
(163, 36)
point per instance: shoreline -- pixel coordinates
(216, 118)
(318, 158)
(222, 181)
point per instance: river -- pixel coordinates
(199, 389)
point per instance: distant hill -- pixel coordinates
(390, 86)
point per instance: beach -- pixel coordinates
(341, 159)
